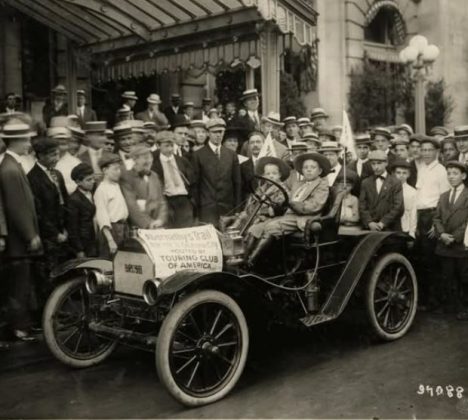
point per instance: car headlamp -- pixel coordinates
(97, 282)
(151, 291)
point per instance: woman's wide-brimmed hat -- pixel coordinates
(317, 157)
(270, 160)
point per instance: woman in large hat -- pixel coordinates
(305, 201)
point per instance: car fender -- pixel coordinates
(100, 264)
(355, 267)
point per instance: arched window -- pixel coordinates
(385, 24)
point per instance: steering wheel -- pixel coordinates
(265, 199)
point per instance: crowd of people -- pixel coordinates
(74, 187)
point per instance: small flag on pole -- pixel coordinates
(347, 138)
(268, 148)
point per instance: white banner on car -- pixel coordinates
(172, 250)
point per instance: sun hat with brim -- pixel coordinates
(249, 93)
(139, 150)
(95, 127)
(318, 113)
(330, 146)
(215, 122)
(58, 133)
(16, 130)
(197, 123)
(130, 94)
(108, 159)
(382, 131)
(289, 120)
(407, 128)
(270, 160)
(273, 118)
(81, 92)
(399, 163)
(442, 131)
(304, 122)
(378, 156)
(189, 104)
(81, 171)
(153, 99)
(362, 138)
(456, 164)
(317, 157)
(430, 139)
(460, 132)
(165, 137)
(298, 146)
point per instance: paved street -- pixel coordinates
(332, 372)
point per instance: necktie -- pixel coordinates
(218, 152)
(54, 178)
(452, 197)
(172, 175)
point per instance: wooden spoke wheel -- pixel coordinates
(202, 348)
(67, 314)
(392, 296)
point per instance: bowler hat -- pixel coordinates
(317, 157)
(44, 145)
(108, 159)
(180, 121)
(81, 171)
(456, 164)
(130, 94)
(270, 160)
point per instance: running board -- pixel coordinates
(315, 319)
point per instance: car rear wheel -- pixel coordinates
(392, 297)
(202, 348)
(67, 314)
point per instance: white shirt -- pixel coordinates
(216, 149)
(65, 166)
(173, 182)
(432, 182)
(379, 182)
(359, 164)
(128, 162)
(290, 142)
(242, 158)
(254, 117)
(463, 157)
(110, 204)
(332, 175)
(10, 111)
(409, 218)
(254, 160)
(80, 111)
(94, 156)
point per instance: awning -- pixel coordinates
(92, 22)
(397, 16)
(381, 52)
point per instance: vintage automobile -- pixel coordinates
(200, 318)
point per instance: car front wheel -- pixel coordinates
(392, 296)
(67, 314)
(202, 348)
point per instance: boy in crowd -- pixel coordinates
(401, 170)
(81, 211)
(450, 222)
(350, 204)
(111, 208)
(381, 199)
(361, 165)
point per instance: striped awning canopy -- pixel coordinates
(397, 16)
(128, 22)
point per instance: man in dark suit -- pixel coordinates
(255, 143)
(143, 192)
(80, 213)
(50, 196)
(381, 198)
(252, 119)
(450, 222)
(11, 105)
(22, 241)
(174, 109)
(84, 112)
(362, 165)
(152, 113)
(177, 178)
(218, 185)
(56, 106)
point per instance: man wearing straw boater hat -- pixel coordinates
(152, 112)
(252, 119)
(22, 240)
(129, 99)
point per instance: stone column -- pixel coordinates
(270, 69)
(13, 77)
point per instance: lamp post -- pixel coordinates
(420, 56)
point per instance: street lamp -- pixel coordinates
(420, 56)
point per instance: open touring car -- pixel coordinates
(189, 296)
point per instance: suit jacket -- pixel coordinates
(158, 117)
(135, 188)
(366, 169)
(356, 188)
(185, 169)
(413, 178)
(247, 178)
(50, 213)
(170, 114)
(80, 224)
(89, 115)
(19, 207)
(218, 183)
(452, 220)
(3, 223)
(311, 201)
(386, 207)
(247, 124)
(48, 111)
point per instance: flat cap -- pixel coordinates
(215, 122)
(108, 159)
(44, 145)
(197, 123)
(382, 131)
(378, 155)
(400, 163)
(443, 131)
(430, 139)
(456, 164)
(165, 137)
(81, 171)
(407, 128)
